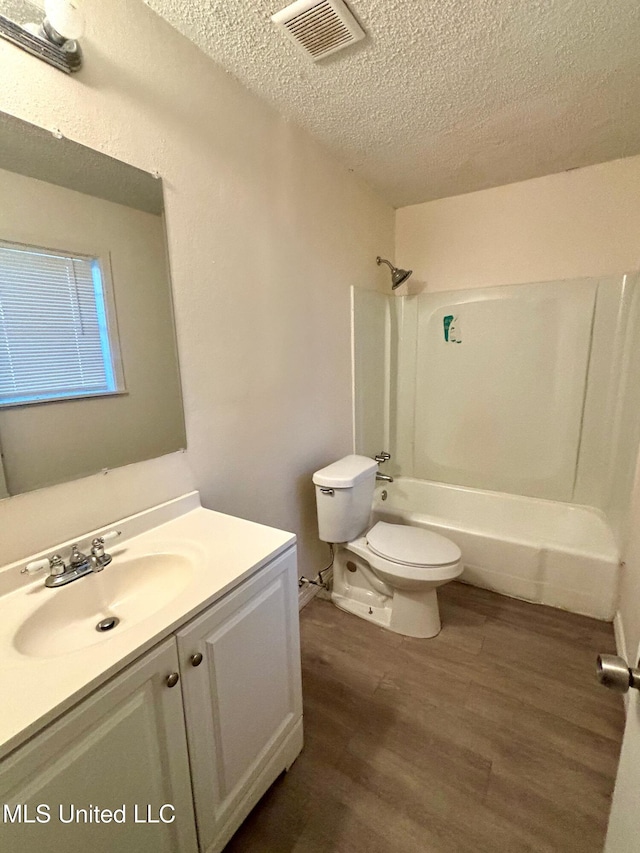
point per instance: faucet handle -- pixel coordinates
(98, 558)
(55, 565)
(77, 557)
(107, 537)
(35, 566)
(97, 545)
(383, 456)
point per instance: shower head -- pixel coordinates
(398, 276)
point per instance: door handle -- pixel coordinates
(614, 672)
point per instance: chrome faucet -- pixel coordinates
(383, 456)
(79, 564)
(77, 559)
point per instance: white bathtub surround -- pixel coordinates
(500, 406)
(543, 551)
(538, 398)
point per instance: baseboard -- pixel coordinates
(621, 642)
(305, 594)
(621, 647)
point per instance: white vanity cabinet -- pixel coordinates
(123, 746)
(240, 664)
(204, 723)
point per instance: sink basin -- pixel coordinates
(130, 589)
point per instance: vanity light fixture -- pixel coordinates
(55, 40)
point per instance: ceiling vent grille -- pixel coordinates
(319, 27)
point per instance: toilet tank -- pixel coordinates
(344, 493)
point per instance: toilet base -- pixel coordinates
(412, 614)
(415, 613)
(377, 614)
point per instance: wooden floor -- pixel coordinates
(494, 736)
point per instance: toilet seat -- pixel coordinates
(412, 546)
(402, 575)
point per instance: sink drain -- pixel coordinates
(107, 624)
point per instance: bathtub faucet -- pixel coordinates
(386, 477)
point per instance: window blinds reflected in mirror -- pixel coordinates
(84, 266)
(55, 340)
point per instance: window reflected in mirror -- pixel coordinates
(89, 376)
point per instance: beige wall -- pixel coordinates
(266, 233)
(580, 223)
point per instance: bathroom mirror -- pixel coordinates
(102, 219)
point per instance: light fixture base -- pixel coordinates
(65, 56)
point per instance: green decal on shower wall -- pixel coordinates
(452, 333)
(448, 320)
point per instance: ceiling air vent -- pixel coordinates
(319, 27)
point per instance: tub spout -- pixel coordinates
(386, 477)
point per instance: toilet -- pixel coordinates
(387, 573)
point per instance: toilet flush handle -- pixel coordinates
(329, 492)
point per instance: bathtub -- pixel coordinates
(552, 553)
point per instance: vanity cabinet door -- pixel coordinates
(123, 748)
(243, 701)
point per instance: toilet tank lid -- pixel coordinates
(345, 472)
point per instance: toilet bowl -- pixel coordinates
(385, 573)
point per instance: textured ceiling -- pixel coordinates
(446, 96)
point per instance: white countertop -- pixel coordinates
(221, 550)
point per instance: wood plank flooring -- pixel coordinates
(493, 737)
